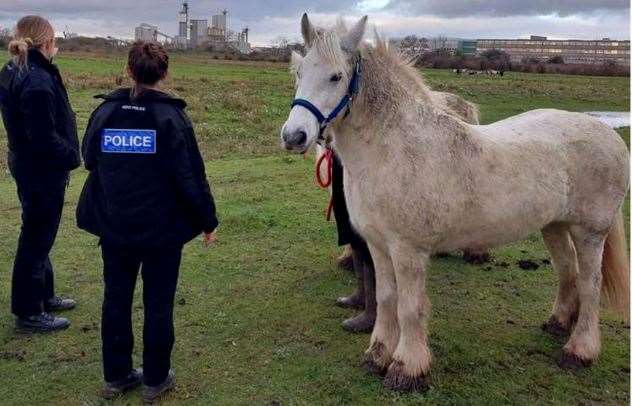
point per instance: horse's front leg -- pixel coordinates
(411, 360)
(386, 331)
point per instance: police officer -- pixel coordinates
(43, 149)
(145, 197)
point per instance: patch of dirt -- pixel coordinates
(13, 355)
(89, 327)
(476, 258)
(528, 265)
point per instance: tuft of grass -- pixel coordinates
(255, 321)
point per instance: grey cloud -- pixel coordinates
(504, 8)
(272, 18)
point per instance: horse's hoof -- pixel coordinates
(372, 367)
(397, 380)
(369, 361)
(345, 261)
(476, 257)
(362, 323)
(350, 302)
(554, 327)
(572, 361)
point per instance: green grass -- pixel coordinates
(254, 320)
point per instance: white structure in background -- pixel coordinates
(146, 32)
(199, 33)
(220, 23)
(241, 43)
(194, 33)
(182, 39)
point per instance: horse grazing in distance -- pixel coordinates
(418, 181)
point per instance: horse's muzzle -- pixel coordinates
(294, 140)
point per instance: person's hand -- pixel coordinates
(210, 238)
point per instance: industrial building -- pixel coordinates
(571, 51)
(146, 32)
(194, 33)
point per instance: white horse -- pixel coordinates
(449, 103)
(418, 181)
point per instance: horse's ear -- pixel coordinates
(307, 29)
(352, 39)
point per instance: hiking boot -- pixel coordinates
(152, 393)
(56, 304)
(351, 302)
(42, 323)
(112, 390)
(362, 323)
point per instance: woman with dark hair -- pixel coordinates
(145, 197)
(43, 149)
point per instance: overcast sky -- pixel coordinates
(270, 19)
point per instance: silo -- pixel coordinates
(199, 32)
(183, 28)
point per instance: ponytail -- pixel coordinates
(19, 48)
(30, 32)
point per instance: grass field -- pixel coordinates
(254, 317)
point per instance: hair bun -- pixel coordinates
(18, 47)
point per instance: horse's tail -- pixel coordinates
(616, 270)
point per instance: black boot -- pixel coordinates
(112, 390)
(355, 301)
(152, 393)
(42, 323)
(56, 304)
(364, 322)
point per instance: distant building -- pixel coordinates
(183, 22)
(146, 32)
(468, 47)
(220, 21)
(199, 32)
(571, 51)
(241, 42)
(447, 45)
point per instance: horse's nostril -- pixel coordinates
(301, 137)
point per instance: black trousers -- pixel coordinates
(41, 196)
(159, 268)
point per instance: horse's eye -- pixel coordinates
(336, 77)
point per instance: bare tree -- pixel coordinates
(5, 36)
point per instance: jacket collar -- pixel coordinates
(37, 58)
(148, 95)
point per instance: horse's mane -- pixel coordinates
(326, 42)
(388, 78)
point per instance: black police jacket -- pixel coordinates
(147, 184)
(38, 118)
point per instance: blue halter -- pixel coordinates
(345, 103)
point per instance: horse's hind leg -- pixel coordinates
(585, 343)
(411, 359)
(558, 241)
(385, 335)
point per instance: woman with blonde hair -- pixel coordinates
(43, 149)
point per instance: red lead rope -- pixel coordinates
(327, 156)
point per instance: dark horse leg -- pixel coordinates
(363, 263)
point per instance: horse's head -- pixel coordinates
(325, 77)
